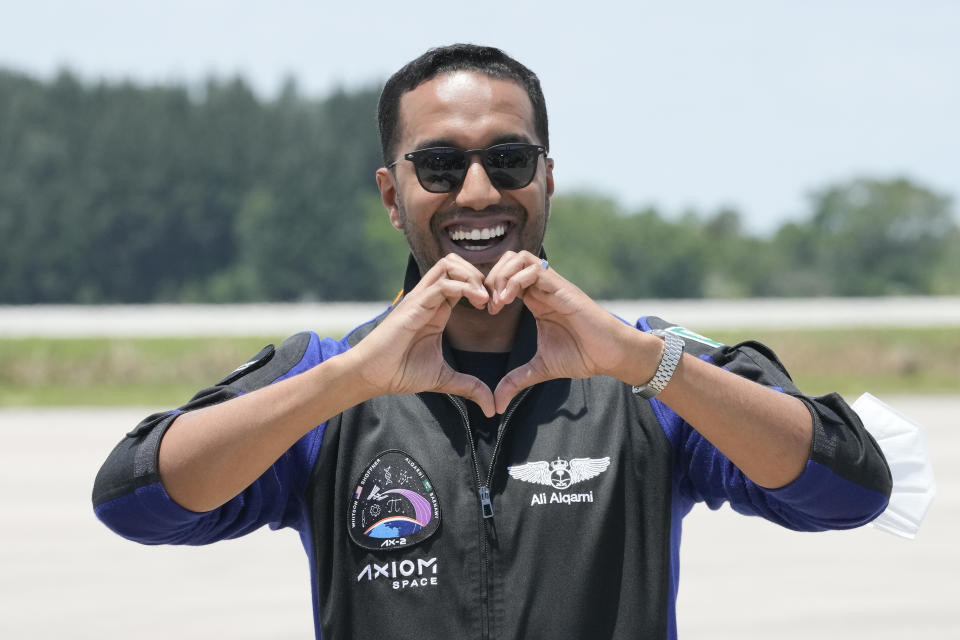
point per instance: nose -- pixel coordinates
(477, 192)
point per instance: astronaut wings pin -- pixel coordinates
(559, 474)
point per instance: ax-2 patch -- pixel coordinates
(394, 505)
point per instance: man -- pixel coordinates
(496, 456)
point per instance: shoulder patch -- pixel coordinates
(394, 505)
(274, 363)
(686, 334)
(257, 361)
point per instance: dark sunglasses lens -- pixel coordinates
(511, 166)
(440, 170)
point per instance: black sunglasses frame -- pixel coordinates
(455, 177)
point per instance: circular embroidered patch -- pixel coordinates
(394, 505)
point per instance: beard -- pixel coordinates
(424, 242)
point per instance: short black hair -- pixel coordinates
(456, 57)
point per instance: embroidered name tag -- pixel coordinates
(394, 505)
(560, 474)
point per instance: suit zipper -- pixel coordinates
(496, 450)
(486, 505)
(483, 487)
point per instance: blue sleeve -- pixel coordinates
(845, 483)
(130, 499)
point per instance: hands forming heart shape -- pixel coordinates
(576, 338)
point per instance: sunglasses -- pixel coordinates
(508, 166)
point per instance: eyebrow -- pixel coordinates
(447, 142)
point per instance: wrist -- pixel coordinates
(345, 373)
(669, 361)
(641, 354)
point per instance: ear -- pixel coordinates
(549, 164)
(387, 183)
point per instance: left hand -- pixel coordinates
(576, 338)
(767, 434)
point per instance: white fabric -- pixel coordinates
(902, 442)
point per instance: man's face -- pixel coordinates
(467, 110)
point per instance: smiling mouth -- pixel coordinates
(478, 238)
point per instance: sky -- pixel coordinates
(680, 105)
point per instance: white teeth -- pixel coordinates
(479, 234)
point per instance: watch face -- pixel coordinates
(394, 505)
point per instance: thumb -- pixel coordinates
(471, 388)
(524, 376)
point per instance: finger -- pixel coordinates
(453, 267)
(514, 382)
(507, 267)
(452, 282)
(508, 264)
(475, 293)
(457, 268)
(518, 283)
(501, 265)
(432, 306)
(552, 291)
(450, 291)
(471, 388)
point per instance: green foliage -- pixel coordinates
(871, 237)
(133, 194)
(881, 238)
(611, 254)
(385, 254)
(126, 193)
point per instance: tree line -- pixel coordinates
(119, 192)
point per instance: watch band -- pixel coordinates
(672, 351)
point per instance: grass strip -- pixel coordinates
(116, 371)
(167, 371)
(914, 360)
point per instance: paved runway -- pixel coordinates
(331, 318)
(63, 575)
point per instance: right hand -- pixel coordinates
(404, 354)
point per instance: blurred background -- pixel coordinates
(225, 151)
(182, 182)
